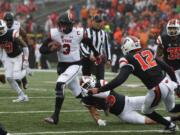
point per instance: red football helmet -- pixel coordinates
(173, 27)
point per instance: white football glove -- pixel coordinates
(101, 122)
(25, 64)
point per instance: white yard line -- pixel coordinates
(89, 132)
(48, 111)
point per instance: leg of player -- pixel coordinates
(12, 74)
(24, 82)
(153, 98)
(2, 78)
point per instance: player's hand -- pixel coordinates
(54, 46)
(177, 90)
(101, 122)
(92, 91)
(98, 60)
(25, 64)
(92, 58)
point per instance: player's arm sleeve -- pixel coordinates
(124, 73)
(44, 49)
(167, 68)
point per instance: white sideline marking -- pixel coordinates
(84, 132)
(63, 111)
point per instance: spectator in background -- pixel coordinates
(84, 16)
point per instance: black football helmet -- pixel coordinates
(9, 18)
(65, 23)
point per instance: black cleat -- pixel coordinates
(171, 129)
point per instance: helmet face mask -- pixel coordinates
(173, 27)
(88, 82)
(129, 44)
(3, 28)
(9, 18)
(65, 24)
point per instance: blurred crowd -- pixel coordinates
(145, 19)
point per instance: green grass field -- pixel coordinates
(27, 118)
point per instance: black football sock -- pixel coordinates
(58, 105)
(176, 109)
(24, 82)
(158, 118)
(2, 130)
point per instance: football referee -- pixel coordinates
(100, 40)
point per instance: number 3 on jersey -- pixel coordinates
(66, 49)
(145, 59)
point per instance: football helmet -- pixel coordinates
(3, 27)
(65, 23)
(130, 43)
(9, 18)
(173, 27)
(88, 82)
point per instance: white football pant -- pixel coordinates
(13, 68)
(163, 92)
(130, 114)
(70, 78)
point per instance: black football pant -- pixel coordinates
(88, 68)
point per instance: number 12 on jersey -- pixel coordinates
(145, 59)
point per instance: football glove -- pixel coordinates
(101, 122)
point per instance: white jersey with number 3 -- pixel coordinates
(70, 44)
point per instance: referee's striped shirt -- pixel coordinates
(100, 40)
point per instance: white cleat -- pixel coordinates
(21, 99)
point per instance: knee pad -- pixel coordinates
(60, 89)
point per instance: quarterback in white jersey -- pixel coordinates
(66, 39)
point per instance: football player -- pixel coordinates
(124, 107)
(15, 67)
(66, 39)
(13, 24)
(3, 131)
(143, 64)
(169, 46)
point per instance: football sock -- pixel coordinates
(58, 105)
(16, 87)
(2, 130)
(176, 109)
(158, 118)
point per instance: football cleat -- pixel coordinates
(21, 99)
(51, 120)
(171, 128)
